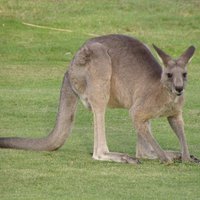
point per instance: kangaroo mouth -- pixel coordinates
(177, 92)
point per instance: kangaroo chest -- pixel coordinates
(168, 108)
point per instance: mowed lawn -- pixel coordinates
(33, 60)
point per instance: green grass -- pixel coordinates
(32, 64)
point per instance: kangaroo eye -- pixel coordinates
(185, 75)
(169, 75)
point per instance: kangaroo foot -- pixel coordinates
(176, 156)
(116, 157)
(173, 155)
(194, 159)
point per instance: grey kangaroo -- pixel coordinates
(120, 72)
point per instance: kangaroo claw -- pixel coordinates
(194, 159)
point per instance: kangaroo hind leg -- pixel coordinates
(100, 151)
(97, 93)
(144, 150)
(147, 146)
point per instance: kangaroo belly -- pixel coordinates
(120, 95)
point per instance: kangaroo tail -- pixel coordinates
(62, 129)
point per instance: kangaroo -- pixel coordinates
(119, 71)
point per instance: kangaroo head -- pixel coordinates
(174, 75)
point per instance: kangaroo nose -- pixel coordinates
(179, 89)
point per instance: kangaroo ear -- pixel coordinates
(187, 55)
(165, 58)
